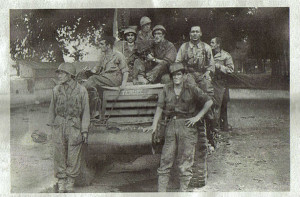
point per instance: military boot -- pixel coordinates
(163, 183)
(61, 185)
(70, 185)
(184, 184)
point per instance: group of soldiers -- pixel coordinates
(194, 99)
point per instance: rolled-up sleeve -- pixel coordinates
(85, 118)
(210, 60)
(200, 95)
(180, 54)
(229, 66)
(122, 63)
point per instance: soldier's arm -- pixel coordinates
(180, 54)
(51, 114)
(229, 66)
(202, 98)
(210, 61)
(124, 69)
(85, 118)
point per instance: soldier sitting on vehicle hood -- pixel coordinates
(111, 71)
(154, 68)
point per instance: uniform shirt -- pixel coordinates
(187, 104)
(198, 57)
(142, 36)
(70, 102)
(165, 51)
(124, 48)
(112, 63)
(224, 59)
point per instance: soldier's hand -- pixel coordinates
(84, 137)
(151, 128)
(149, 76)
(218, 66)
(191, 121)
(150, 57)
(207, 75)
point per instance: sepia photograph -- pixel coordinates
(127, 100)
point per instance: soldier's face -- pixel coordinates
(130, 37)
(158, 36)
(177, 77)
(146, 27)
(195, 33)
(103, 46)
(63, 77)
(214, 44)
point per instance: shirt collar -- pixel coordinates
(192, 45)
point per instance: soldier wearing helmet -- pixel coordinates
(184, 105)
(69, 118)
(145, 33)
(154, 69)
(128, 48)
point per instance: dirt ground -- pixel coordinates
(255, 156)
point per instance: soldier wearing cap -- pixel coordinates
(224, 66)
(69, 118)
(145, 33)
(128, 48)
(155, 68)
(184, 105)
(111, 71)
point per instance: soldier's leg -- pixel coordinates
(223, 113)
(167, 158)
(59, 158)
(138, 72)
(200, 167)
(74, 157)
(187, 138)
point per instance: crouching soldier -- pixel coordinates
(180, 101)
(69, 118)
(155, 68)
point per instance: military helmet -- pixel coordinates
(68, 68)
(177, 66)
(145, 20)
(129, 30)
(159, 27)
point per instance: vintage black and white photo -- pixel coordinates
(113, 100)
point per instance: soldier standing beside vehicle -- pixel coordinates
(155, 68)
(224, 66)
(128, 48)
(180, 102)
(111, 71)
(69, 118)
(198, 61)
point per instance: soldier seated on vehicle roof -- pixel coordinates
(155, 67)
(111, 71)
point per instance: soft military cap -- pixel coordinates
(129, 30)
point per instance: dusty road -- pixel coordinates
(253, 157)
